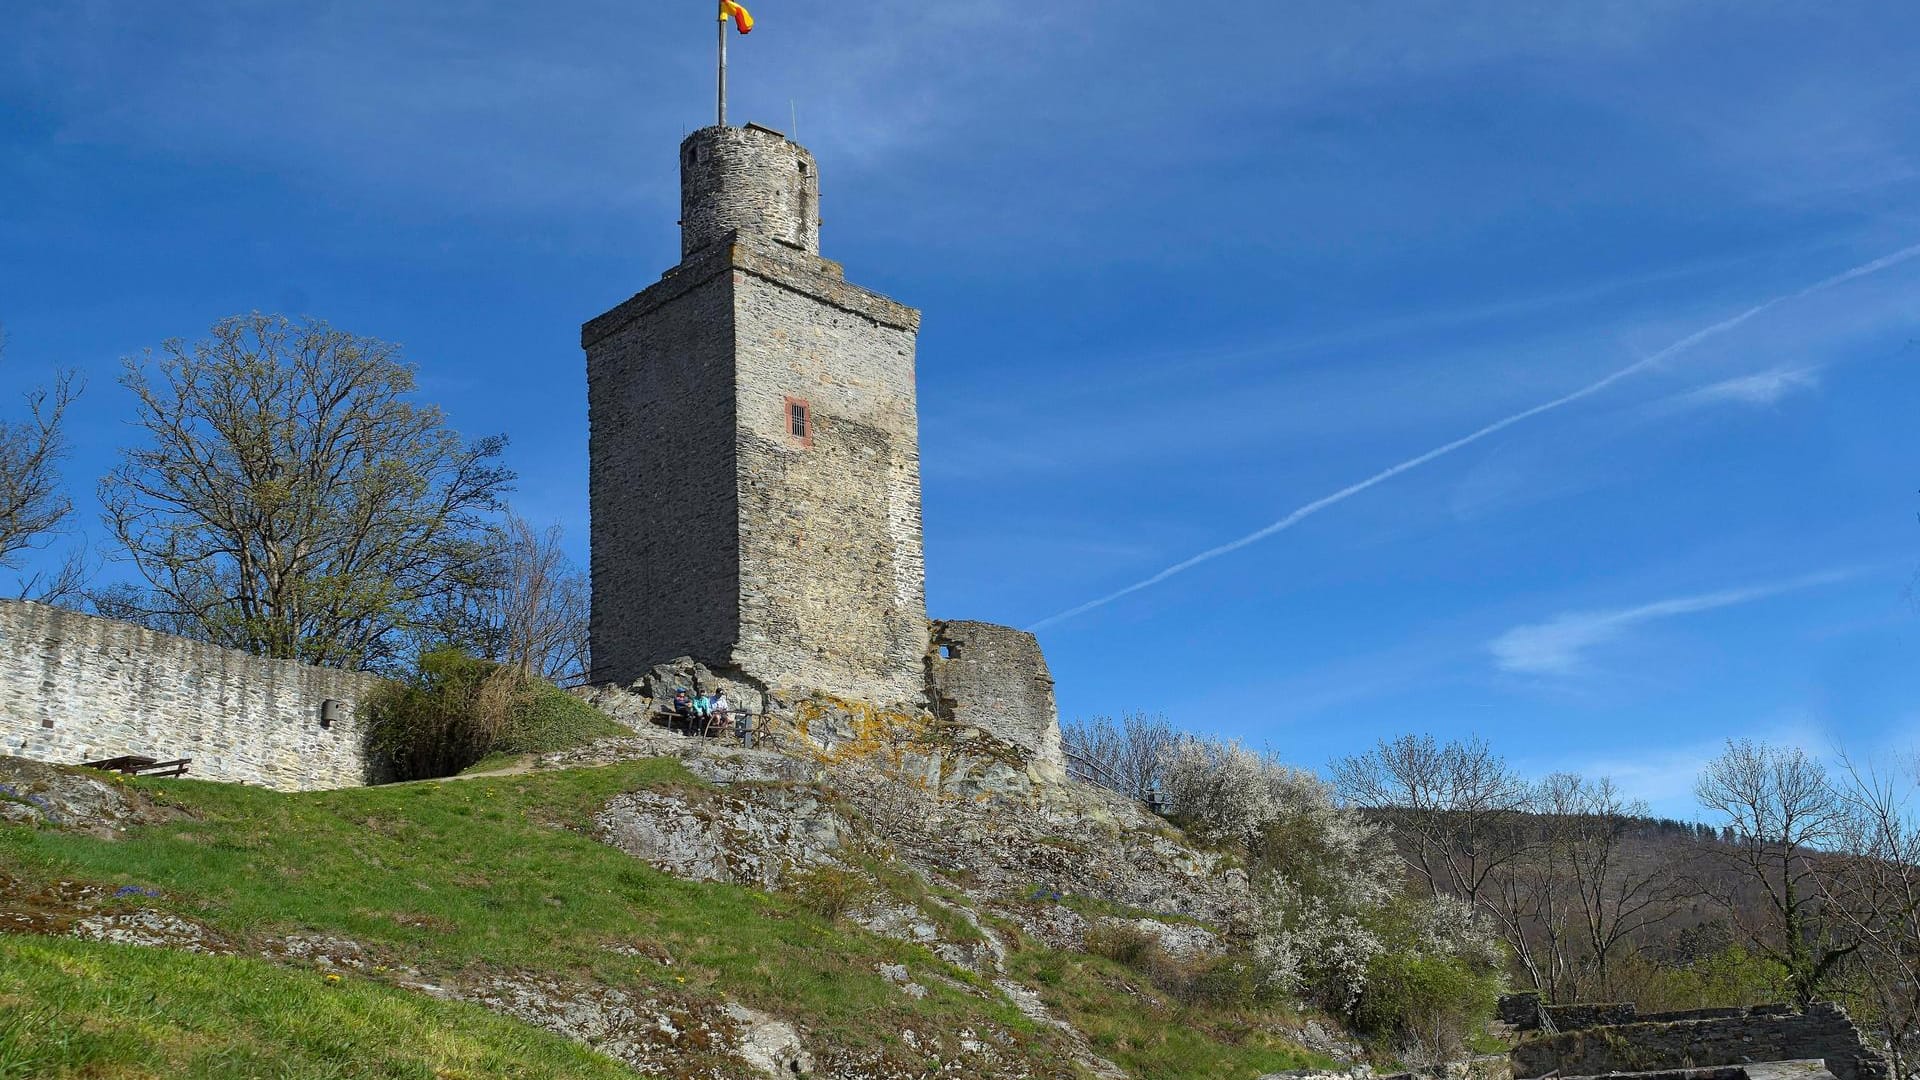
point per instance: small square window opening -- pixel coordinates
(800, 420)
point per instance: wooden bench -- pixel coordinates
(136, 765)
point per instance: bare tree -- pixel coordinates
(1870, 886)
(1576, 898)
(1531, 898)
(291, 500)
(1128, 755)
(536, 607)
(1457, 811)
(1619, 899)
(32, 504)
(1781, 809)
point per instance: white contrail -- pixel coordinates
(1496, 427)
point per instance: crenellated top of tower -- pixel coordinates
(752, 180)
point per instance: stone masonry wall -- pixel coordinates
(788, 561)
(665, 547)
(749, 181)
(994, 678)
(1822, 1032)
(78, 688)
(832, 577)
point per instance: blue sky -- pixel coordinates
(1184, 271)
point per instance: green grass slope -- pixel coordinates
(71, 1009)
(465, 878)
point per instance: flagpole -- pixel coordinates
(722, 24)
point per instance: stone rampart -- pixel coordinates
(77, 688)
(1821, 1032)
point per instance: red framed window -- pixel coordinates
(800, 420)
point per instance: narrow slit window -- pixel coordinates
(799, 420)
(800, 211)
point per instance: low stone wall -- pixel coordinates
(1822, 1032)
(1520, 1011)
(1598, 1014)
(77, 688)
(994, 678)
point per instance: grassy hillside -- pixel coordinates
(85, 1009)
(470, 880)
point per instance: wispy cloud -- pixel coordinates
(1664, 774)
(1760, 389)
(1559, 645)
(1306, 511)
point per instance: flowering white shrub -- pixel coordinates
(1447, 925)
(1322, 872)
(1334, 914)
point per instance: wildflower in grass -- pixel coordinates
(333, 978)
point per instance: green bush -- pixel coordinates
(548, 719)
(1220, 982)
(1229, 981)
(1728, 977)
(1424, 1000)
(458, 709)
(1122, 943)
(828, 891)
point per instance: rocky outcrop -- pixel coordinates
(80, 799)
(753, 839)
(1071, 862)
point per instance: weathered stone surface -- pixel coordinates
(1823, 1031)
(747, 180)
(776, 560)
(718, 533)
(1520, 1011)
(1085, 842)
(69, 798)
(1599, 1014)
(725, 837)
(994, 678)
(79, 688)
(767, 1044)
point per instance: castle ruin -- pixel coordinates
(755, 493)
(755, 469)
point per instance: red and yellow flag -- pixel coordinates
(742, 18)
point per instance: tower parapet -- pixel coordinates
(747, 180)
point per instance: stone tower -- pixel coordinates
(755, 483)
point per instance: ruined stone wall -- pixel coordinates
(832, 577)
(665, 547)
(77, 688)
(750, 181)
(1822, 1032)
(1590, 1014)
(995, 678)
